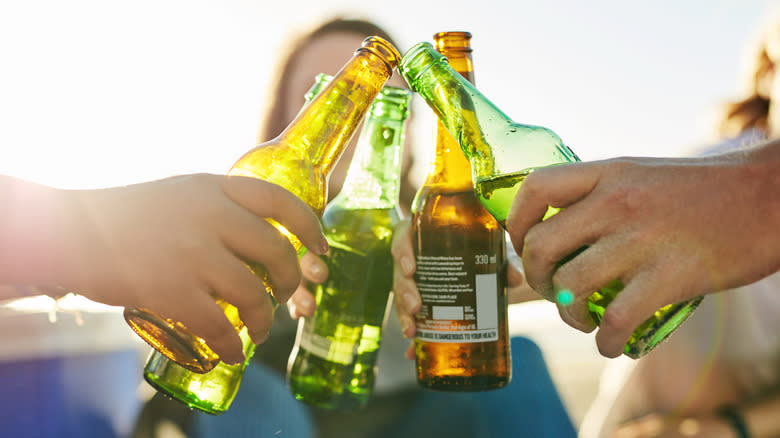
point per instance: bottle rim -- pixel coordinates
(418, 60)
(383, 49)
(392, 91)
(397, 97)
(443, 41)
(459, 33)
(388, 92)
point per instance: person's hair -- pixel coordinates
(274, 119)
(751, 112)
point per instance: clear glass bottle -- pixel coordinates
(462, 341)
(299, 159)
(333, 362)
(502, 153)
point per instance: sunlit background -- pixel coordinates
(96, 93)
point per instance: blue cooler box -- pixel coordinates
(76, 376)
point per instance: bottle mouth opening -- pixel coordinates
(383, 49)
(453, 33)
(392, 100)
(417, 60)
(395, 93)
(323, 77)
(453, 41)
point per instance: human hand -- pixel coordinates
(658, 426)
(172, 246)
(314, 270)
(407, 297)
(669, 229)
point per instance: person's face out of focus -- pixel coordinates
(326, 54)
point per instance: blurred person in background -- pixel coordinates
(718, 376)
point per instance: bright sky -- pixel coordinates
(99, 93)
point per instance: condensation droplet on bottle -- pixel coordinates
(386, 134)
(512, 129)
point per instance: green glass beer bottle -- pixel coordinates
(333, 362)
(462, 339)
(299, 159)
(502, 153)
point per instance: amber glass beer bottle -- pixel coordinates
(299, 159)
(462, 340)
(213, 391)
(502, 153)
(333, 362)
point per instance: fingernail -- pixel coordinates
(571, 320)
(324, 247)
(315, 269)
(406, 265)
(411, 301)
(306, 303)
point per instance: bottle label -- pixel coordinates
(457, 304)
(340, 348)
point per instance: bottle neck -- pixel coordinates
(459, 105)
(322, 129)
(374, 176)
(493, 143)
(450, 166)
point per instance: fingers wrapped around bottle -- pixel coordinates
(405, 294)
(260, 246)
(589, 244)
(315, 271)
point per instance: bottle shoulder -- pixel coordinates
(337, 215)
(457, 209)
(366, 229)
(292, 171)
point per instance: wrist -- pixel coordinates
(757, 183)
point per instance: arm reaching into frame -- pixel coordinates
(670, 229)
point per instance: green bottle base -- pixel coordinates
(646, 338)
(311, 391)
(212, 392)
(329, 385)
(189, 399)
(464, 384)
(651, 332)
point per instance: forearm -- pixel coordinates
(37, 234)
